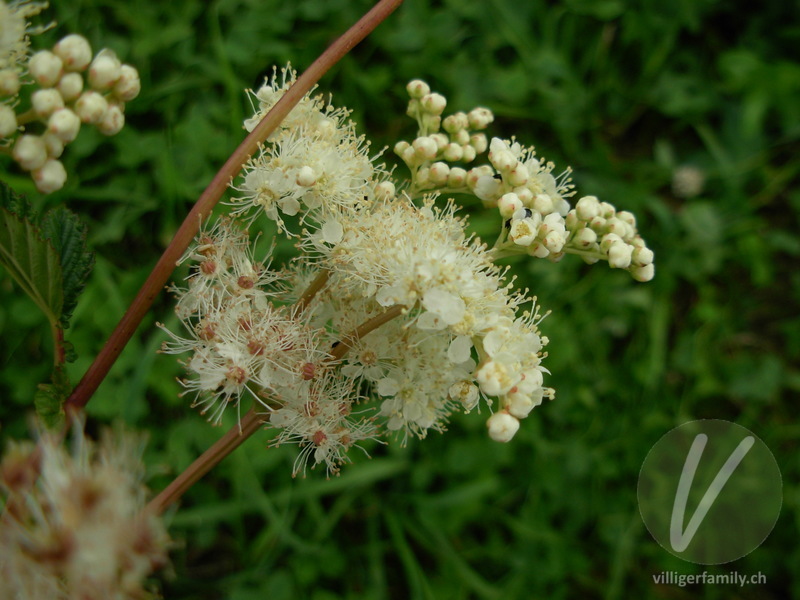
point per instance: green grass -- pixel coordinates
(625, 92)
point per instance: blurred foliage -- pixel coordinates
(630, 93)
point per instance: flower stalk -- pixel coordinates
(208, 199)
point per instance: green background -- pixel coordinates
(626, 93)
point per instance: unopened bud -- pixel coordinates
(64, 124)
(91, 107)
(70, 86)
(46, 101)
(105, 70)
(479, 118)
(8, 121)
(113, 121)
(417, 88)
(9, 82)
(30, 152)
(128, 85)
(502, 426)
(50, 177)
(75, 52)
(45, 67)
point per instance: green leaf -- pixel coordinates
(30, 259)
(67, 233)
(50, 397)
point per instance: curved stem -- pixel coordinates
(209, 198)
(234, 438)
(347, 342)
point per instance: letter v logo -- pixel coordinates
(679, 540)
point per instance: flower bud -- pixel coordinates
(469, 154)
(609, 240)
(587, 208)
(46, 101)
(479, 142)
(70, 86)
(455, 123)
(479, 118)
(75, 52)
(113, 121)
(306, 177)
(9, 82)
(461, 137)
(45, 67)
(518, 175)
(457, 177)
(30, 152)
(50, 177)
(385, 190)
(91, 107)
(105, 70)
(487, 188)
(64, 124)
(400, 147)
(543, 203)
(425, 148)
(433, 104)
(644, 273)
(8, 121)
(439, 172)
(519, 405)
(502, 426)
(508, 204)
(584, 237)
(453, 152)
(417, 88)
(441, 141)
(128, 86)
(642, 256)
(619, 255)
(54, 145)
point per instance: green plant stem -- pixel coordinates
(235, 437)
(209, 198)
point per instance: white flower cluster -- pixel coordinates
(537, 218)
(62, 101)
(75, 525)
(314, 164)
(392, 316)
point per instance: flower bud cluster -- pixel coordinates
(457, 138)
(73, 88)
(75, 525)
(600, 232)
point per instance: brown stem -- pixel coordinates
(209, 198)
(234, 438)
(315, 286)
(59, 352)
(348, 340)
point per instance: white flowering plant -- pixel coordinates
(390, 317)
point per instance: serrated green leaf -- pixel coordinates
(30, 260)
(49, 399)
(67, 233)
